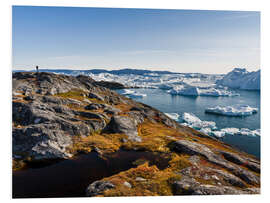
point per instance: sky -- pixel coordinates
(111, 38)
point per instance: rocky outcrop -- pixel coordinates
(98, 187)
(193, 148)
(57, 116)
(110, 85)
(50, 110)
(189, 186)
(125, 125)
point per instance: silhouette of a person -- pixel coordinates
(37, 69)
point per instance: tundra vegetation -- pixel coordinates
(57, 117)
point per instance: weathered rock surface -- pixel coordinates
(189, 186)
(193, 148)
(49, 110)
(98, 187)
(125, 125)
(53, 114)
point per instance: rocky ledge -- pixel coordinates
(58, 116)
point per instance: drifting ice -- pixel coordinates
(244, 110)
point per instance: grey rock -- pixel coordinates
(41, 141)
(95, 96)
(192, 148)
(112, 110)
(189, 186)
(241, 161)
(98, 187)
(94, 106)
(140, 179)
(216, 190)
(123, 125)
(127, 184)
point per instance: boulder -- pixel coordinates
(95, 96)
(94, 106)
(123, 125)
(41, 142)
(98, 187)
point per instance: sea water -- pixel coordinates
(167, 103)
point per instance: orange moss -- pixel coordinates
(107, 143)
(18, 164)
(155, 137)
(155, 182)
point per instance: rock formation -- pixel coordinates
(57, 116)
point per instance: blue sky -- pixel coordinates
(176, 40)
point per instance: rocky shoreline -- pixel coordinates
(56, 117)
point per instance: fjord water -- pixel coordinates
(167, 103)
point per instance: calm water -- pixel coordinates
(179, 104)
(70, 178)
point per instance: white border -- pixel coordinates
(5, 116)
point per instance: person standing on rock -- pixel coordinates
(37, 69)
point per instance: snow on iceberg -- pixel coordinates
(231, 131)
(195, 91)
(174, 116)
(133, 94)
(209, 127)
(243, 110)
(240, 78)
(194, 122)
(236, 131)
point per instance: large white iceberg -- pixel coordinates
(236, 131)
(174, 116)
(133, 94)
(187, 90)
(243, 110)
(240, 78)
(194, 122)
(209, 127)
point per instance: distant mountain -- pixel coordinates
(97, 71)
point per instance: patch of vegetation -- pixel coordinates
(75, 94)
(154, 182)
(155, 137)
(106, 143)
(18, 165)
(179, 162)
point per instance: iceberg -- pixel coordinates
(194, 122)
(242, 131)
(232, 131)
(133, 94)
(240, 78)
(209, 127)
(174, 116)
(196, 91)
(243, 110)
(218, 133)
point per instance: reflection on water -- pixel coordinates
(70, 178)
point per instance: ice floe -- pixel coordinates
(133, 94)
(194, 122)
(174, 116)
(243, 110)
(236, 131)
(196, 91)
(209, 127)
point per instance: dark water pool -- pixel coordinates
(70, 178)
